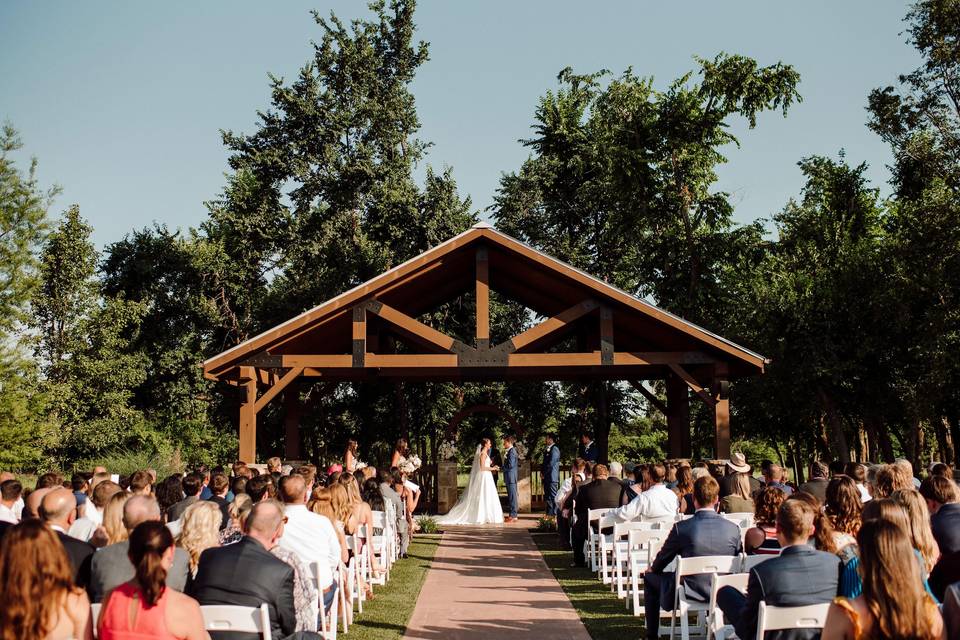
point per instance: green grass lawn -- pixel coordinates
(604, 615)
(386, 616)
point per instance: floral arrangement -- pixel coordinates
(409, 465)
(447, 450)
(521, 450)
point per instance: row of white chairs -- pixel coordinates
(349, 579)
(621, 558)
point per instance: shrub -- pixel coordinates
(428, 525)
(546, 524)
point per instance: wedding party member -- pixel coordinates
(707, 533)
(510, 469)
(657, 502)
(762, 539)
(550, 473)
(200, 530)
(350, 455)
(798, 576)
(246, 574)
(892, 604)
(58, 510)
(145, 607)
(39, 597)
(603, 492)
(588, 449)
(400, 450)
(111, 565)
(479, 503)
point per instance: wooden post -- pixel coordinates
(483, 299)
(291, 423)
(678, 417)
(248, 415)
(524, 493)
(721, 413)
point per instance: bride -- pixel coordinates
(480, 502)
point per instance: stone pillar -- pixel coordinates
(523, 487)
(447, 491)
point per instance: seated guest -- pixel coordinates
(238, 485)
(389, 495)
(858, 473)
(219, 487)
(705, 534)
(951, 611)
(943, 502)
(656, 503)
(762, 539)
(246, 574)
(921, 536)
(843, 507)
(239, 510)
(192, 484)
(738, 480)
(892, 604)
(602, 493)
(10, 494)
(145, 607)
(31, 504)
(40, 599)
(945, 573)
(203, 472)
(641, 482)
(141, 483)
(799, 576)
(773, 477)
(684, 490)
(261, 488)
(273, 465)
(111, 565)
(309, 535)
(200, 530)
(58, 511)
(113, 525)
(817, 484)
(890, 478)
(85, 527)
(907, 468)
(823, 537)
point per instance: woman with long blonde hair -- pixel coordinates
(200, 530)
(36, 588)
(892, 606)
(921, 535)
(113, 517)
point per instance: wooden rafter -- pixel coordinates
(483, 299)
(359, 335)
(414, 329)
(606, 335)
(533, 336)
(652, 399)
(279, 386)
(694, 385)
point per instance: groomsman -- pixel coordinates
(588, 449)
(551, 473)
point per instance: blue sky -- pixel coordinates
(121, 102)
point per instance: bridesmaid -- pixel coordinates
(350, 456)
(399, 451)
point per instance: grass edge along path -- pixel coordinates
(387, 615)
(602, 613)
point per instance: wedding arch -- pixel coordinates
(615, 336)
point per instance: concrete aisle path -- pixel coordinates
(492, 582)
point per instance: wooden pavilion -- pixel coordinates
(614, 336)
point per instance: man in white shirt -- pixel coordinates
(10, 491)
(309, 535)
(656, 503)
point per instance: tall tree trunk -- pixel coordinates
(955, 436)
(944, 438)
(402, 413)
(838, 439)
(602, 430)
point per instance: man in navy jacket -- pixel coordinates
(705, 534)
(551, 473)
(799, 576)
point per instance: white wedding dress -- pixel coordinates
(480, 502)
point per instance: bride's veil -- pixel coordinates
(467, 506)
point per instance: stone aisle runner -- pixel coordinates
(492, 582)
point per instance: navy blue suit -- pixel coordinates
(509, 468)
(946, 527)
(799, 576)
(551, 478)
(705, 534)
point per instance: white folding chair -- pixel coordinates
(379, 547)
(328, 620)
(749, 562)
(239, 619)
(771, 618)
(605, 545)
(683, 607)
(621, 554)
(719, 629)
(95, 616)
(590, 548)
(738, 517)
(642, 547)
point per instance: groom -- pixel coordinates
(510, 475)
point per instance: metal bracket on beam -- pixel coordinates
(264, 361)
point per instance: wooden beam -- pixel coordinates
(248, 416)
(694, 385)
(652, 399)
(554, 359)
(719, 388)
(606, 335)
(280, 385)
(532, 336)
(291, 421)
(359, 335)
(411, 360)
(483, 299)
(660, 358)
(413, 328)
(678, 418)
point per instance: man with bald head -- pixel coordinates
(246, 574)
(111, 567)
(58, 509)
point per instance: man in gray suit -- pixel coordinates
(111, 567)
(393, 497)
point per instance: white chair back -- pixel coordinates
(707, 564)
(621, 529)
(238, 619)
(749, 562)
(717, 625)
(95, 617)
(771, 618)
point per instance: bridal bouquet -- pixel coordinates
(521, 450)
(447, 450)
(409, 465)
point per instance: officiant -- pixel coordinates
(496, 459)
